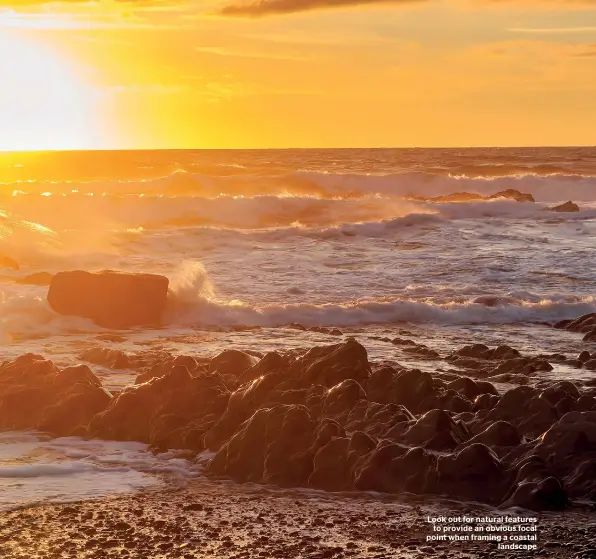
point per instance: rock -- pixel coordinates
(499, 434)
(473, 473)
(574, 433)
(34, 394)
(110, 299)
(232, 362)
(547, 494)
(523, 408)
(566, 207)
(329, 365)
(7, 262)
(342, 398)
(40, 278)
(438, 430)
(112, 358)
(559, 391)
(330, 465)
(513, 195)
(171, 411)
(273, 446)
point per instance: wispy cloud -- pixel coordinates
(259, 8)
(553, 30)
(223, 51)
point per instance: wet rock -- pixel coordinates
(330, 365)
(473, 473)
(547, 494)
(485, 402)
(112, 358)
(232, 362)
(513, 194)
(574, 433)
(272, 446)
(523, 408)
(330, 463)
(39, 278)
(566, 207)
(559, 391)
(110, 299)
(437, 429)
(172, 411)
(270, 363)
(499, 434)
(34, 394)
(414, 389)
(377, 419)
(341, 399)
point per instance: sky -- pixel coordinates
(148, 74)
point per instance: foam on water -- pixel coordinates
(35, 468)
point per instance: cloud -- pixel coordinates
(258, 8)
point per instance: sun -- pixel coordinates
(44, 104)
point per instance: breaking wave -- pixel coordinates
(548, 187)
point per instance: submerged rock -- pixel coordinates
(110, 299)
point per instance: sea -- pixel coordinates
(257, 241)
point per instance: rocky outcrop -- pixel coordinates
(110, 299)
(510, 194)
(328, 418)
(566, 207)
(35, 394)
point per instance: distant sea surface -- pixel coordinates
(265, 238)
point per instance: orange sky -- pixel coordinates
(296, 73)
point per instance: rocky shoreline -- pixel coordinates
(329, 419)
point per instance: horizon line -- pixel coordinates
(92, 150)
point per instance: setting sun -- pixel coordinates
(43, 103)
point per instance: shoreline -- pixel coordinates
(226, 520)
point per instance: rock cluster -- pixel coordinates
(328, 418)
(585, 324)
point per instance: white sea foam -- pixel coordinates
(35, 468)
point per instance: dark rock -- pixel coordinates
(430, 425)
(513, 195)
(110, 299)
(547, 494)
(330, 365)
(34, 394)
(342, 398)
(232, 362)
(566, 207)
(499, 434)
(272, 446)
(473, 473)
(330, 465)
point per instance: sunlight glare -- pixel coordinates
(43, 103)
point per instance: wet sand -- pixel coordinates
(213, 519)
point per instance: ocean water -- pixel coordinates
(253, 241)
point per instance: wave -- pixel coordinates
(193, 303)
(550, 187)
